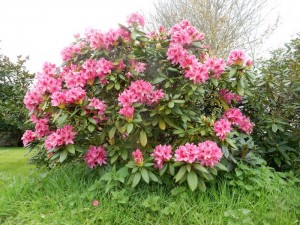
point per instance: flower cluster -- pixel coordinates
(98, 105)
(236, 117)
(138, 92)
(95, 156)
(28, 137)
(239, 57)
(206, 153)
(161, 153)
(222, 127)
(229, 96)
(136, 19)
(62, 136)
(70, 96)
(183, 34)
(138, 157)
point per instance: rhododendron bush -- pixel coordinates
(155, 103)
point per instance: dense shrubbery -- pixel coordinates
(14, 81)
(275, 107)
(148, 106)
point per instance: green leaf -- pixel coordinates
(111, 132)
(172, 69)
(240, 89)
(192, 180)
(214, 81)
(117, 86)
(201, 185)
(221, 167)
(232, 72)
(61, 120)
(180, 173)
(161, 124)
(145, 175)
(224, 104)
(129, 128)
(198, 167)
(143, 138)
(170, 122)
(171, 105)
(153, 177)
(63, 155)
(110, 86)
(91, 128)
(158, 80)
(92, 120)
(133, 35)
(136, 179)
(274, 127)
(71, 148)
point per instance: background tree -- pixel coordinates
(227, 24)
(275, 107)
(14, 82)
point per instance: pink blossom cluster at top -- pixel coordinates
(139, 91)
(136, 19)
(95, 156)
(100, 40)
(206, 153)
(71, 96)
(61, 136)
(32, 99)
(229, 96)
(235, 116)
(161, 153)
(138, 157)
(239, 57)
(70, 51)
(183, 34)
(28, 137)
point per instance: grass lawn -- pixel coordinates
(14, 161)
(65, 196)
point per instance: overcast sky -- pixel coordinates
(41, 28)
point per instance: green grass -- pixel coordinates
(65, 196)
(13, 161)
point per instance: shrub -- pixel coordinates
(275, 107)
(156, 104)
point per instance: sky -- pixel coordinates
(40, 29)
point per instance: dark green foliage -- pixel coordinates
(14, 81)
(275, 107)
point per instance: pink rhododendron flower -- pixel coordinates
(95, 156)
(162, 153)
(229, 96)
(95, 203)
(98, 105)
(59, 99)
(237, 57)
(246, 125)
(222, 128)
(96, 39)
(28, 137)
(75, 95)
(50, 69)
(140, 67)
(42, 128)
(138, 157)
(209, 153)
(62, 136)
(136, 19)
(32, 99)
(198, 73)
(215, 66)
(127, 112)
(70, 51)
(233, 115)
(187, 153)
(177, 54)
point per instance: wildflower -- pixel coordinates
(95, 203)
